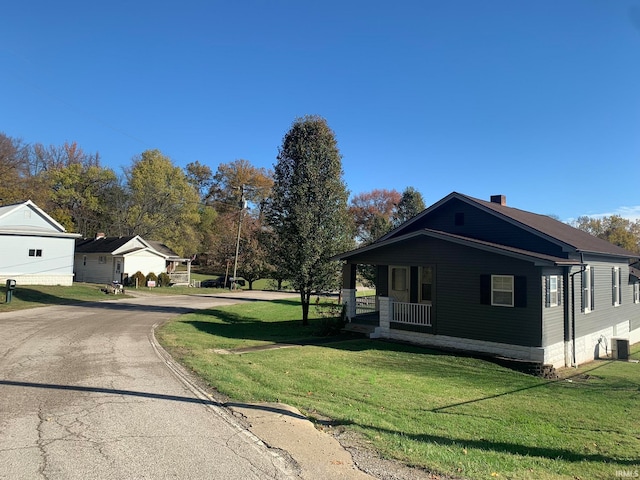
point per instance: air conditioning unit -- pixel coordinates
(620, 348)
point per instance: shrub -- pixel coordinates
(137, 279)
(164, 280)
(151, 277)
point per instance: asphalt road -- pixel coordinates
(85, 394)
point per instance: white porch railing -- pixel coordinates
(366, 304)
(179, 277)
(412, 313)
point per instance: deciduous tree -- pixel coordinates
(614, 229)
(162, 205)
(373, 212)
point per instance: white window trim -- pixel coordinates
(587, 289)
(553, 291)
(502, 290)
(616, 287)
(636, 292)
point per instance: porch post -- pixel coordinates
(386, 312)
(349, 299)
(349, 289)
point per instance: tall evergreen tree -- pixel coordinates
(308, 209)
(409, 206)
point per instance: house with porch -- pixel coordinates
(34, 248)
(480, 276)
(107, 259)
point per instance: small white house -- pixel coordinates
(106, 259)
(34, 248)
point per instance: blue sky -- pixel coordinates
(536, 100)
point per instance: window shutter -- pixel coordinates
(485, 289)
(413, 285)
(520, 293)
(547, 291)
(593, 288)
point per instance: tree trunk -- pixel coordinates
(304, 299)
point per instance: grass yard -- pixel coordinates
(29, 296)
(460, 416)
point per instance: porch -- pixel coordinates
(375, 314)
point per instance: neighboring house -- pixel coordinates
(483, 277)
(106, 259)
(34, 248)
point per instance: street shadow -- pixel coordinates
(156, 396)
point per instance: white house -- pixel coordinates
(106, 259)
(34, 248)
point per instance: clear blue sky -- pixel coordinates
(536, 100)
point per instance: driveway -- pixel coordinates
(85, 394)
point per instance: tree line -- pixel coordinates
(283, 224)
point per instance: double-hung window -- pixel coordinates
(588, 290)
(553, 291)
(502, 290)
(616, 286)
(636, 292)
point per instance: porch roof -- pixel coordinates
(527, 255)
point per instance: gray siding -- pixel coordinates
(457, 309)
(484, 226)
(553, 318)
(605, 314)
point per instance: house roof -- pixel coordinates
(101, 245)
(541, 225)
(528, 255)
(162, 248)
(113, 244)
(48, 226)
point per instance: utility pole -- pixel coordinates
(243, 205)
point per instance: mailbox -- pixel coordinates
(11, 286)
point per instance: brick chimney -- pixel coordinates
(501, 199)
(100, 235)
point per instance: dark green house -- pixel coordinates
(480, 276)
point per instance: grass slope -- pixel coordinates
(453, 415)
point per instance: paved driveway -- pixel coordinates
(84, 394)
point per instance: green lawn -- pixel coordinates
(454, 415)
(29, 296)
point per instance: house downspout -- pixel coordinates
(572, 330)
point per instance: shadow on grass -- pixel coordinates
(549, 453)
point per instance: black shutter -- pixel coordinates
(547, 291)
(413, 284)
(520, 294)
(485, 289)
